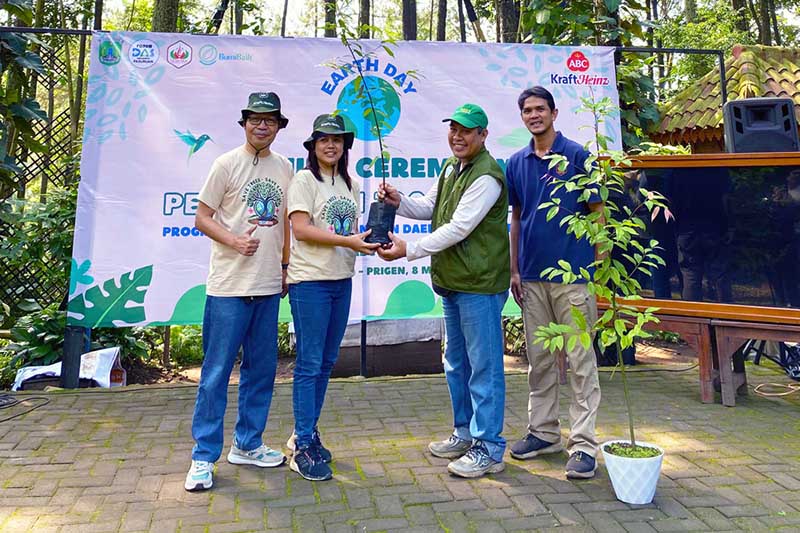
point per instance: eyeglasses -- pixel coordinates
(269, 122)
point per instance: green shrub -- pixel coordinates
(8, 370)
(285, 346)
(140, 343)
(38, 338)
(186, 345)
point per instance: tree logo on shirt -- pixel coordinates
(263, 198)
(340, 215)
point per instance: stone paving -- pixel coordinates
(115, 461)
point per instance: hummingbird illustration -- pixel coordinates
(194, 143)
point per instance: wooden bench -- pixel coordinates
(697, 334)
(730, 335)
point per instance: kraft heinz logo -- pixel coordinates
(578, 64)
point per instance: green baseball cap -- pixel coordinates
(469, 116)
(329, 124)
(264, 103)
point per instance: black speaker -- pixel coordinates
(760, 125)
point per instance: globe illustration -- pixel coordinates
(354, 106)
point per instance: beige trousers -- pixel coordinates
(544, 303)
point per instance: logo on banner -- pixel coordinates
(208, 54)
(110, 51)
(179, 54)
(578, 65)
(577, 62)
(143, 53)
(383, 83)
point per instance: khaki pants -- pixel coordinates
(552, 302)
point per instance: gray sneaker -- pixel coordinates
(263, 456)
(450, 448)
(475, 463)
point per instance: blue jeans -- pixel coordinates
(319, 311)
(473, 365)
(228, 324)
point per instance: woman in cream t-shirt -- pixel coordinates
(323, 206)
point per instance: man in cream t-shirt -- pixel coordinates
(242, 209)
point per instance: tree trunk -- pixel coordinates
(364, 18)
(690, 10)
(238, 17)
(775, 30)
(330, 18)
(741, 8)
(766, 30)
(509, 21)
(410, 20)
(165, 15)
(441, 20)
(497, 29)
(462, 28)
(430, 21)
(283, 18)
(98, 14)
(753, 14)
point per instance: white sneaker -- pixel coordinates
(199, 476)
(263, 456)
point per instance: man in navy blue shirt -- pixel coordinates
(537, 244)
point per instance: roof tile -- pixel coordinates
(752, 71)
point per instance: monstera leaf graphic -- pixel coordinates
(102, 306)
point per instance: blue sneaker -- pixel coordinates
(530, 446)
(581, 466)
(199, 477)
(475, 463)
(307, 462)
(316, 441)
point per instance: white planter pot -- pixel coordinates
(634, 479)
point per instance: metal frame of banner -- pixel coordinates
(75, 337)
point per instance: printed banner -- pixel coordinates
(161, 107)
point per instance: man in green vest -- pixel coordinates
(470, 270)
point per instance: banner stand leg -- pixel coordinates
(74, 344)
(363, 366)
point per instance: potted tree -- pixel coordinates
(624, 252)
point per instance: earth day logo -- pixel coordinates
(355, 108)
(353, 102)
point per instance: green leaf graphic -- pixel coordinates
(516, 138)
(410, 298)
(188, 309)
(285, 311)
(78, 274)
(101, 307)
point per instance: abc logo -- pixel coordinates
(577, 62)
